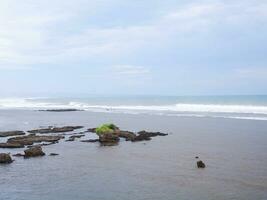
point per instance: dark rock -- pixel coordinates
(196, 157)
(92, 130)
(53, 154)
(201, 164)
(61, 110)
(56, 129)
(11, 133)
(11, 145)
(92, 140)
(141, 137)
(18, 155)
(152, 134)
(32, 138)
(34, 152)
(108, 139)
(5, 158)
(127, 135)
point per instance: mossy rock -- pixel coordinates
(106, 128)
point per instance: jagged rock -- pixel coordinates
(56, 129)
(32, 138)
(11, 133)
(11, 145)
(141, 137)
(201, 164)
(34, 152)
(76, 136)
(5, 158)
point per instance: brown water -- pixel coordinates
(164, 168)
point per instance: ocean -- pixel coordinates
(239, 107)
(228, 133)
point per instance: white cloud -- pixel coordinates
(130, 70)
(29, 32)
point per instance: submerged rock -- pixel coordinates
(5, 158)
(56, 129)
(201, 164)
(11, 133)
(53, 154)
(34, 152)
(18, 155)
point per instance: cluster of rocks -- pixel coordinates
(112, 138)
(52, 129)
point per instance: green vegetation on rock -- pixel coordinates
(106, 128)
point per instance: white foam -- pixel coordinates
(252, 112)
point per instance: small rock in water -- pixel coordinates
(201, 164)
(53, 154)
(5, 158)
(196, 157)
(34, 152)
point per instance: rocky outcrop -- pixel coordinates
(201, 164)
(92, 130)
(34, 152)
(56, 129)
(11, 133)
(5, 158)
(32, 138)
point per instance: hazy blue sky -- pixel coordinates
(177, 47)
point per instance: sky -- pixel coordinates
(122, 47)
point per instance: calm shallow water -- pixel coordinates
(164, 168)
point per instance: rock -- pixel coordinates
(196, 157)
(152, 134)
(34, 152)
(141, 137)
(127, 135)
(56, 129)
(11, 145)
(92, 140)
(32, 138)
(201, 164)
(144, 135)
(53, 154)
(11, 133)
(61, 110)
(18, 155)
(108, 139)
(5, 158)
(92, 130)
